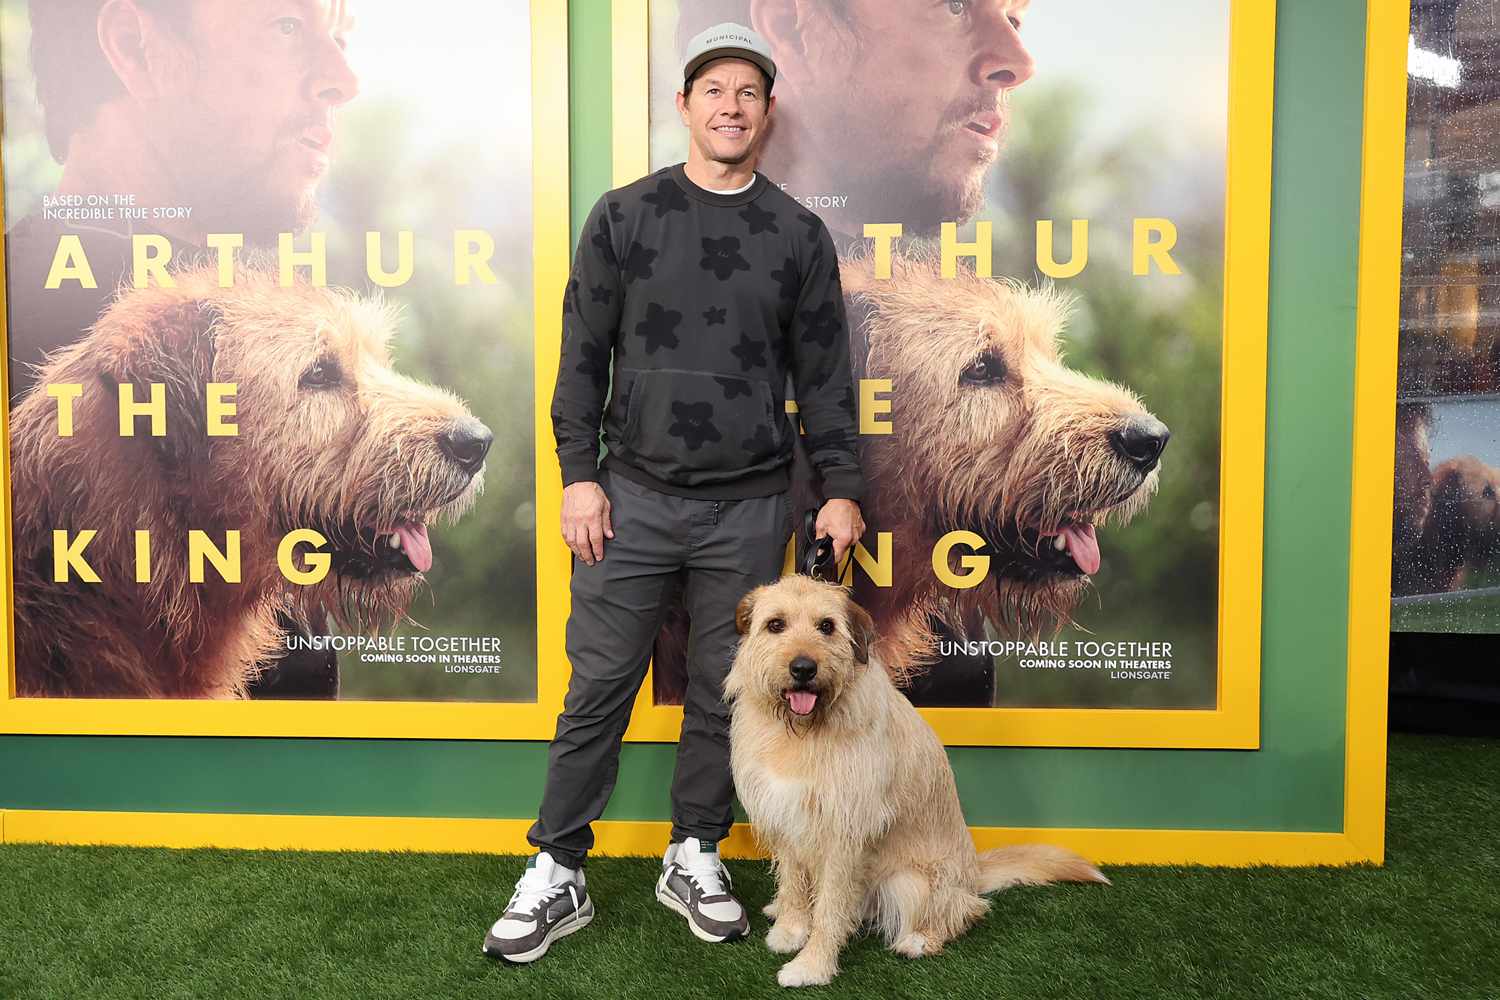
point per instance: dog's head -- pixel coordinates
(1466, 506)
(329, 437)
(992, 433)
(802, 643)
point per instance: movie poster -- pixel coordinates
(1078, 150)
(1445, 574)
(271, 365)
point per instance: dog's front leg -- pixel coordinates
(838, 894)
(791, 909)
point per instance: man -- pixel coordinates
(698, 289)
(895, 112)
(220, 112)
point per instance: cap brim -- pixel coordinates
(692, 68)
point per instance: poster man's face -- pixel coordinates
(910, 99)
(250, 128)
(726, 110)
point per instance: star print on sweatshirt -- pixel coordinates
(686, 312)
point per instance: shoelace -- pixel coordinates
(531, 895)
(710, 877)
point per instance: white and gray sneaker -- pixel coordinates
(697, 885)
(550, 902)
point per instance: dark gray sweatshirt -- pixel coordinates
(697, 305)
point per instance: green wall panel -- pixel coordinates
(1293, 783)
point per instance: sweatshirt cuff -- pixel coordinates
(843, 484)
(579, 470)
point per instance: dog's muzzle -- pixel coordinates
(801, 697)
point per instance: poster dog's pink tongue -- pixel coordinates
(416, 544)
(1083, 546)
(802, 702)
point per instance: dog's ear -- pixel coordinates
(743, 613)
(861, 629)
(171, 343)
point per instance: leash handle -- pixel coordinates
(817, 561)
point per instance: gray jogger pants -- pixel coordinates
(723, 549)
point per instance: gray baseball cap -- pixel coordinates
(727, 41)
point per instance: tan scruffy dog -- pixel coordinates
(992, 433)
(851, 790)
(330, 438)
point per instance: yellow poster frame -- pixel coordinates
(1235, 721)
(387, 719)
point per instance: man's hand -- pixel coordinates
(841, 521)
(585, 520)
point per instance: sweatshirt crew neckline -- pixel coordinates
(719, 198)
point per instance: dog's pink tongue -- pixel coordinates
(416, 544)
(802, 702)
(1083, 546)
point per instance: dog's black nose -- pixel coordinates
(1141, 441)
(467, 442)
(803, 669)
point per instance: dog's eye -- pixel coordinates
(324, 372)
(826, 626)
(775, 625)
(987, 369)
(1489, 492)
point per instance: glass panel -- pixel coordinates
(1446, 525)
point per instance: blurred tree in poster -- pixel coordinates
(475, 340)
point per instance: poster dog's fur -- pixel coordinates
(990, 433)
(330, 438)
(851, 791)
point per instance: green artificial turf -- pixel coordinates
(90, 923)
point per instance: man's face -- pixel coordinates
(909, 99)
(246, 124)
(726, 110)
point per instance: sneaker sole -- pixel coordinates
(671, 902)
(578, 923)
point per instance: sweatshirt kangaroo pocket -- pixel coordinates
(693, 427)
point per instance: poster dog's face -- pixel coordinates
(992, 433)
(339, 442)
(327, 436)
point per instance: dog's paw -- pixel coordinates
(804, 972)
(913, 945)
(786, 937)
(771, 909)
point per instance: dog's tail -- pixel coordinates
(1033, 864)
